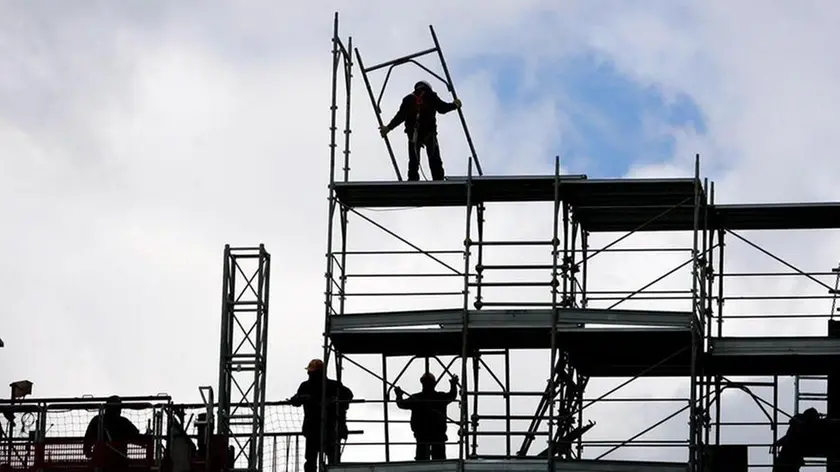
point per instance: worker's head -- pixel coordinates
(314, 367)
(422, 86)
(427, 381)
(113, 406)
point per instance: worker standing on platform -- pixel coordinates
(309, 395)
(428, 416)
(111, 450)
(417, 111)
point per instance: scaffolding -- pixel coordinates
(243, 353)
(585, 331)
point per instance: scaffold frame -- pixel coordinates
(699, 351)
(243, 351)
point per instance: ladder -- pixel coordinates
(812, 390)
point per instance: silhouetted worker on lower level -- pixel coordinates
(808, 435)
(309, 395)
(417, 110)
(428, 416)
(111, 449)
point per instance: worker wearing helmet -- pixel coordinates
(309, 395)
(428, 416)
(417, 111)
(111, 448)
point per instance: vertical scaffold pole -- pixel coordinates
(348, 88)
(385, 402)
(333, 203)
(465, 323)
(555, 249)
(721, 276)
(584, 302)
(692, 442)
(509, 436)
(334, 96)
(451, 87)
(708, 280)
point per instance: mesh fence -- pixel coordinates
(282, 444)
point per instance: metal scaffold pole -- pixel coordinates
(243, 353)
(555, 249)
(695, 326)
(465, 323)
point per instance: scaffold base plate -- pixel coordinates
(512, 465)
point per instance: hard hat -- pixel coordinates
(428, 377)
(315, 364)
(422, 84)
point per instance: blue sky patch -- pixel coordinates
(616, 122)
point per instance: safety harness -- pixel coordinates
(418, 104)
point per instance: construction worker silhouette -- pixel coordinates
(111, 450)
(428, 416)
(808, 435)
(309, 395)
(417, 111)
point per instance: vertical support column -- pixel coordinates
(474, 415)
(334, 95)
(719, 331)
(708, 280)
(243, 351)
(341, 59)
(465, 323)
(572, 261)
(555, 249)
(833, 400)
(584, 302)
(508, 436)
(479, 265)
(693, 427)
(348, 88)
(385, 395)
(477, 305)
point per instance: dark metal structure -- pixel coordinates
(688, 344)
(243, 352)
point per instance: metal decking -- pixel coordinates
(644, 343)
(515, 465)
(773, 356)
(603, 205)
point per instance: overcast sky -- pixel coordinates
(138, 138)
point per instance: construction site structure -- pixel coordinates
(584, 334)
(586, 340)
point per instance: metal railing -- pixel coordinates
(35, 431)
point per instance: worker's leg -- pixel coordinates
(433, 151)
(332, 452)
(310, 455)
(438, 451)
(413, 161)
(421, 452)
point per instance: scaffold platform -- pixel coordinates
(514, 465)
(603, 205)
(777, 216)
(756, 356)
(511, 189)
(651, 343)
